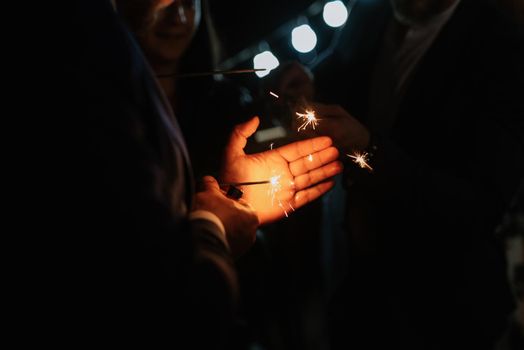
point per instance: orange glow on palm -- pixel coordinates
(274, 186)
(275, 197)
(294, 179)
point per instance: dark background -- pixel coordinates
(242, 23)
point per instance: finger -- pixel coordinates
(318, 175)
(209, 183)
(239, 136)
(164, 3)
(313, 161)
(245, 204)
(299, 149)
(305, 196)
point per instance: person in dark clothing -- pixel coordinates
(129, 253)
(432, 89)
(181, 39)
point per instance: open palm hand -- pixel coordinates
(298, 172)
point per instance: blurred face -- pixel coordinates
(163, 27)
(419, 12)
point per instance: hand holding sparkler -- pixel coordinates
(292, 81)
(347, 132)
(239, 219)
(297, 172)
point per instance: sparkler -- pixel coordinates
(216, 72)
(235, 192)
(308, 118)
(361, 159)
(274, 188)
(249, 183)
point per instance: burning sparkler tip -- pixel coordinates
(361, 159)
(274, 187)
(308, 118)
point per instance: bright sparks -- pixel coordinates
(361, 159)
(282, 206)
(308, 118)
(274, 187)
(310, 158)
(273, 94)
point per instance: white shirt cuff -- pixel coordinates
(209, 216)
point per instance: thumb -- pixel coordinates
(209, 183)
(239, 136)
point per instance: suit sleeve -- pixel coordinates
(449, 208)
(144, 272)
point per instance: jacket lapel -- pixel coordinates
(154, 100)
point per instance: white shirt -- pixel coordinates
(416, 43)
(209, 216)
(399, 56)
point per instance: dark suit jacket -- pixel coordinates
(425, 268)
(122, 262)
